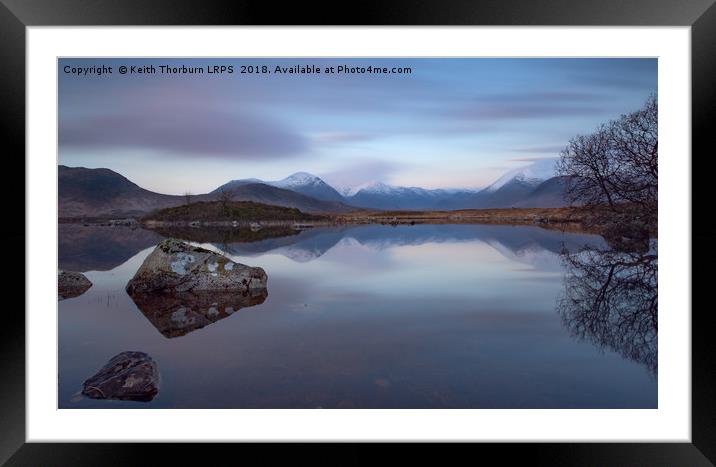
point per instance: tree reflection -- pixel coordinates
(611, 300)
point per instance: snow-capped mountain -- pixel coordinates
(532, 174)
(309, 185)
(348, 191)
(383, 188)
(513, 189)
(300, 182)
(298, 179)
(103, 192)
(383, 196)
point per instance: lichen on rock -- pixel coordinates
(178, 266)
(71, 284)
(127, 376)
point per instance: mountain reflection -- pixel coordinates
(179, 313)
(611, 300)
(84, 248)
(514, 242)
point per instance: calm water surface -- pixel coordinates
(424, 316)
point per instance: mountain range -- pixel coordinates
(87, 192)
(102, 192)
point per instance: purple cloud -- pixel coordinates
(535, 105)
(361, 172)
(515, 111)
(184, 132)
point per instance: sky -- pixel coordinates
(449, 123)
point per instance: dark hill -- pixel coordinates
(104, 193)
(548, 194)
(267, 194)
(506, 196)
(240, 211)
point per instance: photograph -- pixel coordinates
(357, 233)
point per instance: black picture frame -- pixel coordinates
(700, 15)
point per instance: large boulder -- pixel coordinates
(175, 314)
(71, 284)
(127, 376)
(178, 266)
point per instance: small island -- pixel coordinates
(227, 213)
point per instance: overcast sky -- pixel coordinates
(450, 123)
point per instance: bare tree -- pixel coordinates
(225, 197)
(187, 197)
(635, 143)
(616, 167)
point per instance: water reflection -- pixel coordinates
(611, 300)
(226, 235)
(101, 248)
(179, 313)
(424, 316)
(85, 248)
(522, 243)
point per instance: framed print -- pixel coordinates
(408, 224)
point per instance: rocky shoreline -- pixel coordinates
(565, 219)
(571, 219)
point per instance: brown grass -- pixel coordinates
(567, 218)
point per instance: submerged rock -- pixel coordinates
(127, 376)
(178, 266)
(175, 314)
(71, 284)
